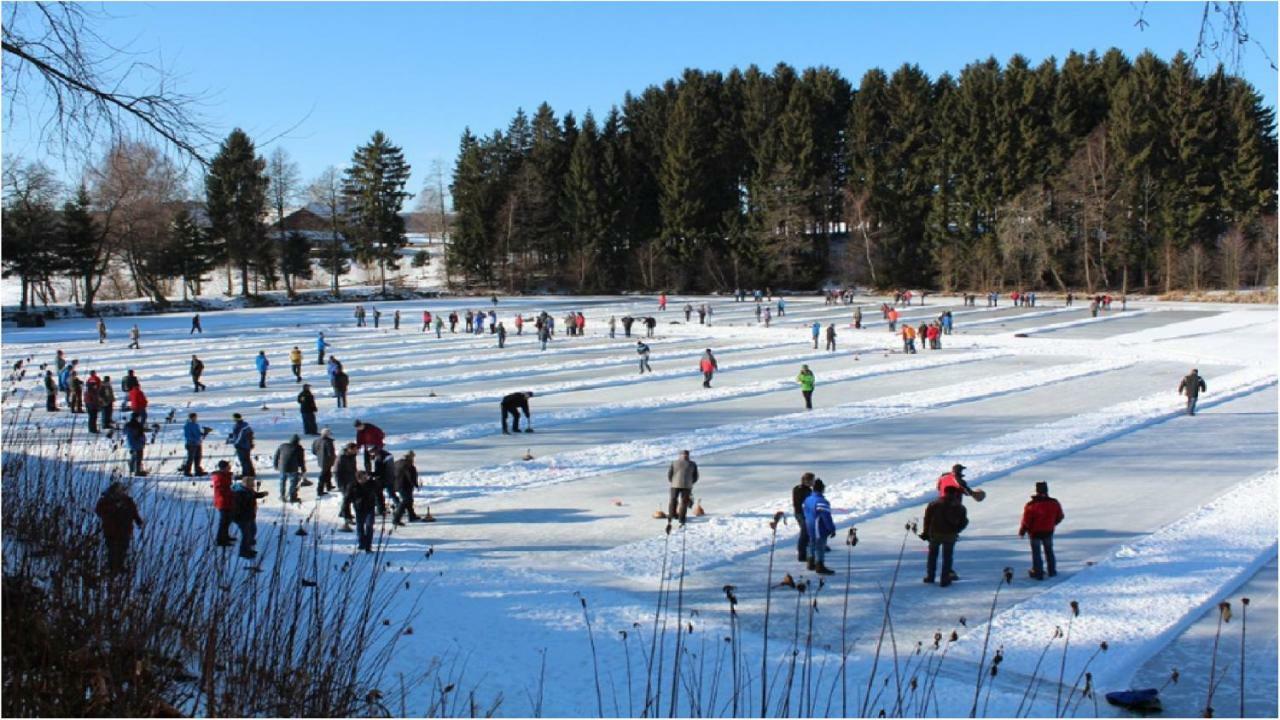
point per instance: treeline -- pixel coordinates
(1099, 172)
(136, 214)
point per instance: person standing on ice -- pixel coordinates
(195, 325)
(815, 330)
(377, 317)
(396, 320)
(1191, 386)
(857, 318)
(102, 331)
(820, 526)
(469, 321)
(406, 474)
(439, 326)
(799, 494)
(613, 326)
(662, 302)
(806, 380)
(519, 324)
(757, 312)
(262, 363)
(944, 519)
(688, 311)
(682, 474)
(643, 351)
(782, 307)
(50, 392)
(291, 462)
(502, 335)
(193, 434)
(947, 322)
(196, 370)
(92, 399)
(295, 361)
(364, 495)
(955, 478)
(246, 514)
(1040, 518)
(371, 438)
(426, 320)
(106, 401)
(544, 334)
(908, 339)
(512, 405)
(627, 320)
(241, 439)
(134, 336)
(118, 514)
(321, 344)
(708, 366)
(307, 406)
(138, 402)
(831, 337)
(892, 316)
(224, 502)
(326, 453)
(135, 436)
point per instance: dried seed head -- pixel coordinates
(1104, 646)
(1008, 576)
(954, 636)
(963, 622)
(1075, 609)
(1173, 676)
(1244, 601)
(1224, 610)
(1057, 631)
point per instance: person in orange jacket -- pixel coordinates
(708, 366)
(1040, 517)
(908, 339)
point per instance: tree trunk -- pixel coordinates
(244, 279)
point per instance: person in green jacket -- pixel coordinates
(806, 380)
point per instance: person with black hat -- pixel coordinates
(1191, 386)
(799, 494)
(955, 479)
(1040, 517)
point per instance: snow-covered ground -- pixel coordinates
(1165, 514)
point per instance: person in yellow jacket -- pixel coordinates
(806, 380)
(295, 359)
(908, 339)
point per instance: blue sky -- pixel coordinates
(422, 72)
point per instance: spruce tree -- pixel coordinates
(198, 252)
(295, 259)
(236, 198)
(80, 250)
(373, 186)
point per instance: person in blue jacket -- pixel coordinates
(321, 344)
(782, 307)
(193, 437)
(817, 519)
(241, 438)
(816, 330)
(135, 435)
(262, 363)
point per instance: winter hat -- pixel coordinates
(1042, 488)
(819, 486)
(294, 439)
(326, 433)
(957, 468)
(224, 465)
(236, 416)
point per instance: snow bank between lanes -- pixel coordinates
(855, 499)
(622, 456)
(1146, 592)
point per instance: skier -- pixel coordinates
(806, 380)
(406, 475)
(1191, 386)
(135, 436)
(102, 331)
(820, 525)
(944, 519)
(321, 344)
(307, 406)
(1040, 517)
(643, 351)
(799, 494)
(291, 461)
(119, 515)
(195, 325)
(246, 514)
(371, 438)
(224, 502)
(831, 337)
(295, 360)
(326, 455)
(262, 364)
(512, 405)
(708, 366)
(241, 439)
(815, 330)
(197, 369)
(682, 474)
(193, 434)
(134, 336)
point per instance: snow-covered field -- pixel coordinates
(1166, 514)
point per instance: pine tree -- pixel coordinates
(198, 251)
(236, 197)
(583, 209)
(31, 227)
(295, 259)
(79, 249)
(468, 253)
(373, 186)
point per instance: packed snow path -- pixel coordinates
(1017, 394)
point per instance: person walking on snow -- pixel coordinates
(291, 461)
(502, 335)
(193, 434)
(799, 494)
(519, 324)
(295, 360)
(134, 336)
(815, 330)
(643, 351)
(426, 320)
(439, 326)
(908, 339)
(682, 474)
(513, 405)
(1040, 517)
(262, 364)
(944, 519)
(396, 320)
(708, 366)
(321, 344)
(406, 475)
(197, 369)
(1191, 386)
(195, 325)
(307, 406)
(820, 525)
(831, 337)
(102, 331)
(806, 380)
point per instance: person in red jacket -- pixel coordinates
(138, 403)
(708, 366)
(224, 502)
(371, 438)
(1039, 519)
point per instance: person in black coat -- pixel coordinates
(799, 494)
(345, 474)
(326, 453)
(119, 514)
(1191, 386)
(365, 496)
(50, 392)
(512, 405)
(944, 519)
(307, 405)
(384, 474)
(406, 481)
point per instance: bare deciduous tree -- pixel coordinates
(282, 190)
